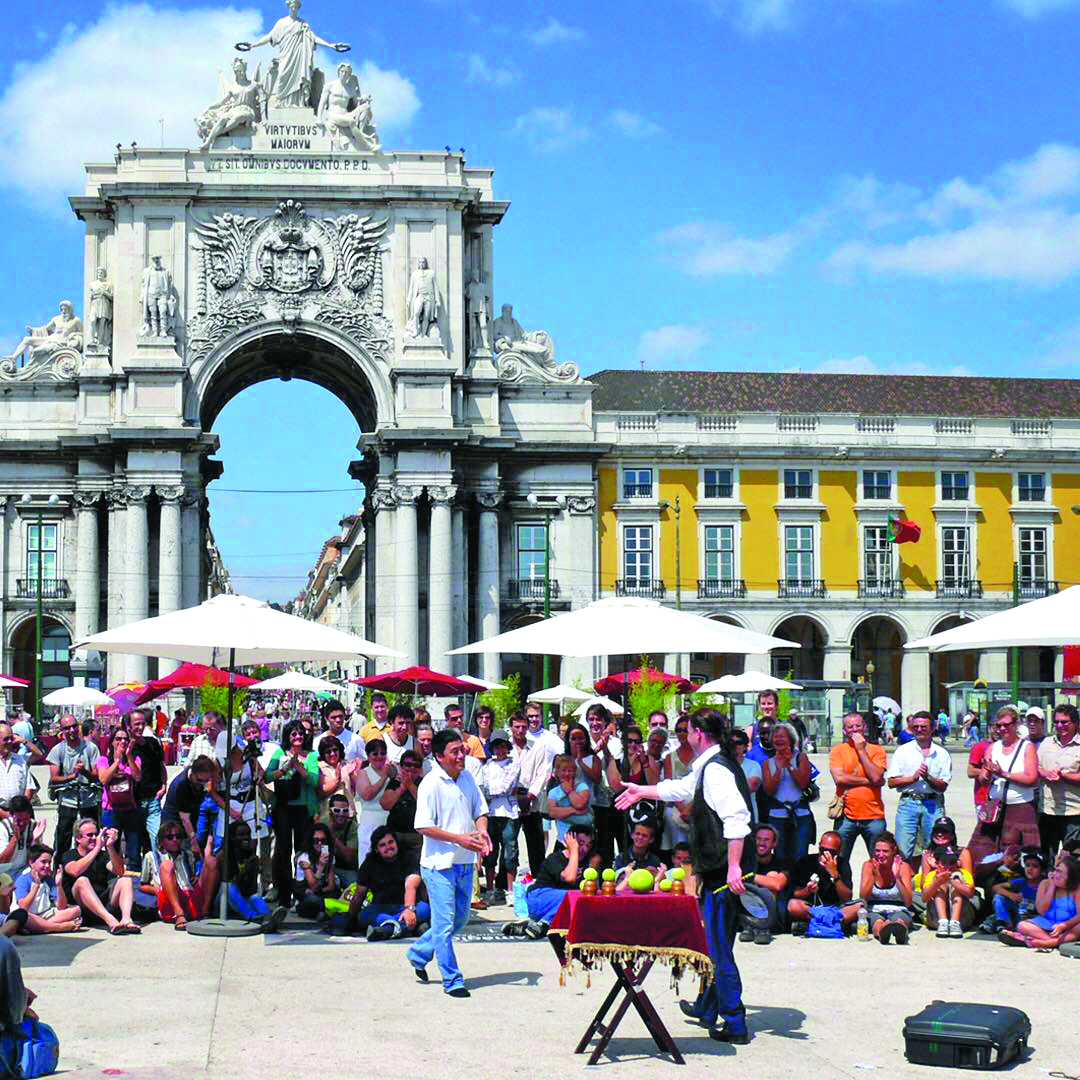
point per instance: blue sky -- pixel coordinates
(838, 185)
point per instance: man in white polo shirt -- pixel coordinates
(451, 815)
(921, 770)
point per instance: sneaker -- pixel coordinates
(535, 929)
(955, 929)
(942, 928)
(763, 937)
(275, 920)
(900, 934)
(382, 932)
(798, 928)
(746, 934)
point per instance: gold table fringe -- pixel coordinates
(679, 960)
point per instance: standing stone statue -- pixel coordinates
(63, 331)
(423, 301)
(346, 113)
(507, 336)
(100, 315)
(476, 303)
(158, 303)
(295, 42)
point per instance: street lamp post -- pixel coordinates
(548, 509)
(40, 588)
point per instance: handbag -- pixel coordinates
(992, 811)
(121, 791)
(32, 1049)
(825, 922)
(836, 807)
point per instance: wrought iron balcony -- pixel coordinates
(647, 587)
(719, 491)
(1034, 588)
(51, 588)
(880, 589)
(959, 589)
(800, 589)
(531, 588)
(721, 589)
(637, 491)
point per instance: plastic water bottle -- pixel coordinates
(862, 927)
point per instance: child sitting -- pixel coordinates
(1058, 907)
(1014, 898)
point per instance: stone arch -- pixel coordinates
(950, 667)
(314, 351)
(807, 662)
(879, 637)
(56, 667)
(707, 666)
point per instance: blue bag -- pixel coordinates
(33, 1050)
(825, 922)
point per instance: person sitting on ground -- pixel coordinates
(1015, 899)
(770, 882)
(568, 800)
(680, 860)
(399, 801)
(96, 881)
(243, 894)
(315, 878)
(639, 856)
(392, 876)
(947, 887)
(822, 879)
(16, 997)
(18, 831)
(37, 893)
(169, 875)
(1058, 907)
(342, 822)
(560, 872)
(886, 889)
(499, 783)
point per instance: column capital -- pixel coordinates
(169, 492)
(118, 498)
(382, 499)
(191, 498)
(581, 504)
(136, 493)
(405, 494)
(87, 500)
(443, 494)
(489, 500)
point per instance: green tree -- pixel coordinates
(648, 695)
(504, 702)
(217, 698)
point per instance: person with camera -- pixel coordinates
(295, 773)
(153, 780)
(316, 879)
(37, 893)
(73, 781)
(94, 877)
(17, 832)
(244, 776)
(119, 772)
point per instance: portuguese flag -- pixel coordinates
(903, 532)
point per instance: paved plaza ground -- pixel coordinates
(169, 1005)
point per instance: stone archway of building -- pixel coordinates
(879, 639)
(951, 667)
(529, 668)
(55, 650)
(807, 662)
(707, 666)
(313, 352)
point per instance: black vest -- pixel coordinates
(708, 846)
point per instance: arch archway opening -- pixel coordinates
(879, 640)
(807, 662)
(55, 656)
(529, 668)
(705, 667)
(951, 667)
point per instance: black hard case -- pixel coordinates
(965, 1036)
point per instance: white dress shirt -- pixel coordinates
(450, 805)
(351, 741)
(908, 757)
(721, 794)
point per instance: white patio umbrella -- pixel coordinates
(626, 624)
(78, 697)
(481, 684)
(749, 682)
(557, 695)
(1051, 620)
(296, 680)
(229, 630)
(9, 682)
(612, 707)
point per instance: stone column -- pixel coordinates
(117, 670)
(191, 549)
(994, 665)
(384, 599)
(459, 561)
(487, 578)
(406, 574)
(836, 665)
(87, 575)
(170, 561)
(441, 580)
(137, 570)
(915, 680)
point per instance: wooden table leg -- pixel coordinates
(598, 1020)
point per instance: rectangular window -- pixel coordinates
(637, 555)
(719, 484)
(877, 484)
(798, 484)
(1033, 568)
(637, 483)
(720, 552)
(1032, 487)
(531, 550)
(48, 552)
(954, 486)
(955, 556)
(878, 555)
(798, 553)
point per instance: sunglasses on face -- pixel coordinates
(339, 811)
(829, 850)
(70, 727)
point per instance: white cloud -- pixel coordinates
(1032, 9)
(710, 249)
(671, 342)
(863, 365)
(633, 124)
(113, 80)
(478, 70)
(554, 32)
(755, 16)
(550, 128)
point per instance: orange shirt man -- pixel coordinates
(858, 770)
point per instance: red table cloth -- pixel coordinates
(632, 927)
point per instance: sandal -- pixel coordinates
(130, 928)
(116, 930)
(180, 923)
(1011, 937)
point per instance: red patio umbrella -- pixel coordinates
(420, 681)
(616, 685)
(190, 677)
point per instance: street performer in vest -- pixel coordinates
(719, 822)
